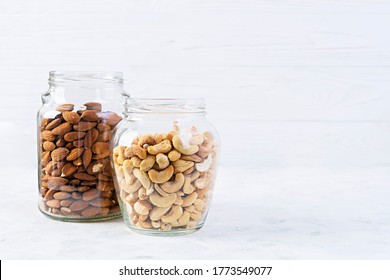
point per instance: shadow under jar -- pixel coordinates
(165, 156)
(75, 123)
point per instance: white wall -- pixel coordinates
(287, 82)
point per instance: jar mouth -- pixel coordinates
(85, 77)
(166, 105)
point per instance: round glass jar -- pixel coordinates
(75, 123)
(165, 156)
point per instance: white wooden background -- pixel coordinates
(288, 83)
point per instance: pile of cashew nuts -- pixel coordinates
(165, 180)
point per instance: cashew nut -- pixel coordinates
(184, 149)
(162, 201)
(133, 187)
(135, 150)
(132, 198)
(182, 165)
(162, 161)
(136, 161)
(158, 212)
(205, 165)
(196, 139)
(162, 176)
(193, 158)
(199, 204)
(184, 219)
(141, 207)
(160, 191)
(143, 177)
(188, 187)
(162, 147)
(190, 199)
(194, 176)
(174, 155)
(174, 186)
(156, 224)
(196, 215)
(142, 193)
(127, 170)
(174, 214)
(147, 163)
(179, 200)
(189, 171)
(146, 139)
(202, 182)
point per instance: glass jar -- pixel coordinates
(165, 156)
(75, 123)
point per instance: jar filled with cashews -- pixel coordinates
(165, 156)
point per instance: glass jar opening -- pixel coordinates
(87, 77)
(166, 105)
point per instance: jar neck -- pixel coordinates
(145, 107)
(90, 80)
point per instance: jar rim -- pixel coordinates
(166, 105)
(85, 76)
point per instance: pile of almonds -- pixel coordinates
(165, 180)
(76, 178)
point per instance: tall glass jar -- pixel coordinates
(75, 123)
(165, 156)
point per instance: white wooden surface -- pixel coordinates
(289, 84)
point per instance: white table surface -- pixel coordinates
(291, 213)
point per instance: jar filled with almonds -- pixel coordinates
(75, 124)
(165, 157)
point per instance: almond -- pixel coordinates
(78, 143)
(67, 188)
(61, 195)
(76, 195)
(54, 203)
(107, 194)
(48, 135)
(75, 153)
(55, 182)
(105, 136)
(78, 205)
(54, 123)
(71, 117)
(74, 135)
(84, 176)
(48, 146)
(49, 195)
(56, 173)
(65, 107)
(93, 106)
(87, 157)
(90, 115)
(88, 183)
(45, 122)
(101, 202)
(104, 211)
(49, 167)
(59, 153)
(100, 148)
(69, 146)
(45, 158)
(83, 189)
(105, 186)
(74, 182)
(91, 194)
(60, 143)
(84, 126)
(110, 118)
(62, 129)
(68, 169)
(102, 177)
(66, 202)
(78, 161)
(103, 127)
(101, 156)
(90, 138)
(90, 211)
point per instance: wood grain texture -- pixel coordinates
(262, 65)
